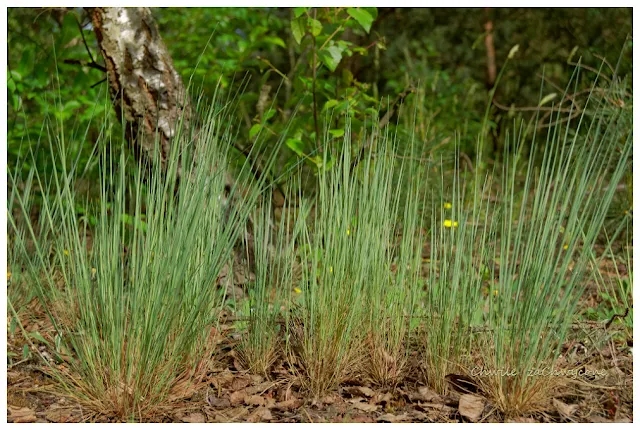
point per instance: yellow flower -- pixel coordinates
(8, 276)
(297, 290)
(565, 247)
(348, 232)
(93, 273)
(330, 269)
(495, 293)
(447, 205)
(448, 223)
(65, 252)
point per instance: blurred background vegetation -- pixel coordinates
(420, 72)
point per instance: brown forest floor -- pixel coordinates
(230, 394)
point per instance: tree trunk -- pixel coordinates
(146, 90)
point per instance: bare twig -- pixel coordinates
(534, 108)
(383, 123)
(91, 64)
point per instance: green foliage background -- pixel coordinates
(366, 60)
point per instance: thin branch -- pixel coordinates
(98, 83)
(534, 108)
(90, 64)
(591, 69)
(83, 39)
(383, 123)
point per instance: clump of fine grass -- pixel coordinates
(615, 293)
(456, 272)
(137, 310)
(275, 260)
(19, 292)
(358, 284)
(541, 242)
(544, 255)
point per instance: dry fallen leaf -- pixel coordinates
(235, 414)
(566, 411)
(471, 407)
(361, 419)
(360, 391)
(365, 407)
(522, 420)
(288, 405)
(260, 414)
(329, 399)
(255, 400)
(218, 402)
(426, 394)
(382, 398)
(260, 388)
(390, 418)
(240, 382)
(441, 407)
(21, 415)
(237, 397)
(195, 417)
(57, 413)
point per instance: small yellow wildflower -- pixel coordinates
(65, 252)
(565, 247)
(448, 223)
(447, 205)
(297, 290)
(8, 276)
(330, 269)
(348, 232)
(495, 293)
(93, 273)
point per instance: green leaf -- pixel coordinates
(274, 40)
(270, 113)
(37, 336)
(329, 104)
(25, 351)
(331, 57)
(373, 11)
(362, 16)
(297, 29)
(134, 222)
(315, 26)
(296, 146)
(13, 325)
(255, 128)
(18, 77)
(298, 11)
(337, 132)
